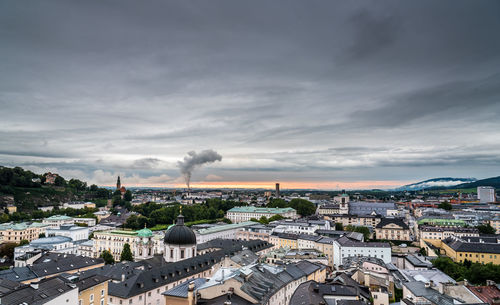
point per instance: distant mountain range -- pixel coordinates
(449, 182)
(436, 183)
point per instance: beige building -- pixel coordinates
(434, 232)
(11, 208)
(354, 220)
(392, 229)
(92, 290)
(495, 223)
(142, 243)
(14, 233)
(329, 209)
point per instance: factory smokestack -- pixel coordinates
(193, 160)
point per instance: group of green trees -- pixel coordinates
(18, 177)
(39, 214)
(152, 214)
(264, 220)
(474, 272)
(360, 229)
(445, 205)
(486, 229)
(126, 255)
(302, 206)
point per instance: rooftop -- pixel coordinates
(252, 209)
(226, 227)
(47, 290)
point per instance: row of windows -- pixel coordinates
(477, 255)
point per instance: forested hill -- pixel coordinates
(28, 190)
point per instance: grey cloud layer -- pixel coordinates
(282, 89)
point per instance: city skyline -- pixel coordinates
(312, 95)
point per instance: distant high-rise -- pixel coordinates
(277, 190)
(486, 194)
(118, 183)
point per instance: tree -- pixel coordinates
(108, 257)
(4, 218)
(59, 181)
(486, 229)
(339, 226)
(277, 203)
(303, 207)
(126, 254)
(445, 205)
(24, 242)
(263, 220)
(127, 196)
(41, 235)
(360, 229)
(276, 217)
(7, 250)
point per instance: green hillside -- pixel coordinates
(28, 191)
(494, 182)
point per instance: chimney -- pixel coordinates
(191, 299)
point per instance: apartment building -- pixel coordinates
(14, 233)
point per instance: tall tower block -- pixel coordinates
(277, 190)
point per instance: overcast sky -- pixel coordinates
(315, 93)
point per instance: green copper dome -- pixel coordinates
(144, 233)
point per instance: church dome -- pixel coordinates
(180, 234)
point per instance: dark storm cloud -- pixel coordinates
(283, 89)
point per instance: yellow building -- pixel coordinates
(14, 233)
(11, 208)
(495, 223)
(392, 229)
(93, 290)
(354, 220)
(284, 240)
(459, 250)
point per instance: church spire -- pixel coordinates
(118, 183)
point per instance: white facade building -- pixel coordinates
(58, 244)
(245, 213)
(344, 247)
(74, 232)
(58, 220)
(486, 194)
(88, 221)
(299, 227)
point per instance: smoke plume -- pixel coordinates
(193, 160)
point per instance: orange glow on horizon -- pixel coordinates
(317, 185)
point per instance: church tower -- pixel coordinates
(118, 183)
